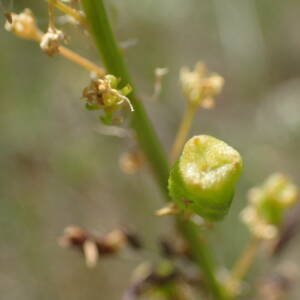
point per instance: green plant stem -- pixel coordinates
(202, 256)
(242, 265)
(114, 62)
(183, 130)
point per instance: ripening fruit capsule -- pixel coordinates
(203, 178)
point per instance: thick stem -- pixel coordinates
(183, 131)
(114, 62)
(202, 256)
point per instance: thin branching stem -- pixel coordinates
(243, 264)
(74, 57)
(70, 11)
(113, 59)
(82, 61)
(51, 17)
(183, 131)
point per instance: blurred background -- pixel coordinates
(57, 167)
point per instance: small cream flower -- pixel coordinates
(199, 88)
(23, 25)
(51, 41)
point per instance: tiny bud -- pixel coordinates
(205, 175)
(102, 93)
(159, 74)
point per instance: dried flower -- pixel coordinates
(267, 205)
(103, 93)
(131, 162)
(199, 88)
(51, 41)
(23, 25)
(93, 247)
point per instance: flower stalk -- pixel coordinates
(242, 266)
(183, 131)
(199, 89)
(69, 11)
(24, 26)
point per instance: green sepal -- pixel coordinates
(89, 106)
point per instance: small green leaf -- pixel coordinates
(203, 178)
(89, 106)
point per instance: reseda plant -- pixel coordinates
(199, 185)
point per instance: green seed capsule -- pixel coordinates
(203, 178)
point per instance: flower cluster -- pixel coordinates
(51, 41)
(103, 93)
(23, 25)
(199, 88)
(267, 204)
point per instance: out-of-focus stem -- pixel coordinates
(78, 59)
(69, 11)
(183, 131)
(74, 57)
(51, 17)
(242, 265)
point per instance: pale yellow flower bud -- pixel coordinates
(199, 88)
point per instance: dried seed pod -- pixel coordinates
(203, 179)
(93, 247)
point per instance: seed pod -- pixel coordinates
(203, 178)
